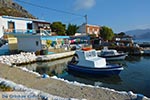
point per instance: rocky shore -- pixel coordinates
(53, 87)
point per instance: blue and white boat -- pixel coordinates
(111, 54)
(89, 64)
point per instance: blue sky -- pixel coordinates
(120, 15)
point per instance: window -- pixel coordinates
(29, 27)
(37, 43)
(11, 26)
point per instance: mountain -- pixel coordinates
(139, 33)
(10, 8)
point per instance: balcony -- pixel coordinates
(26, 32)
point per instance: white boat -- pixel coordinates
(111, 54)
(89, 64)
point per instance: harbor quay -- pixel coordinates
(31, 57)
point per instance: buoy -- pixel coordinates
(45, 76)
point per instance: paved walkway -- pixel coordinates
(57, 87)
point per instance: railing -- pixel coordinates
(22, 31)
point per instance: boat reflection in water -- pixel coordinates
(96, 81)
(57, 67)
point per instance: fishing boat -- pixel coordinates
(111, 54)
(86, 62)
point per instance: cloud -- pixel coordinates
(84, 4)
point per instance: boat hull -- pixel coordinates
(114, 57)
(94, 72)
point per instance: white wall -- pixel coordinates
(28, 43)
(1, 27)
(19, 24)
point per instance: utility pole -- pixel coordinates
(85, 23)
(85, 19)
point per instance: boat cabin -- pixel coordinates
(90, 58)
(108, 52)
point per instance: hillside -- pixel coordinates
(10, 8)
(139, 33)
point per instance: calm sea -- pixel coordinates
(142, 40)
(135, 76)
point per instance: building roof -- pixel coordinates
(90, 25)
(21, 18)
(93, 25)
(53, 38)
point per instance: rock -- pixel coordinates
(18, 58)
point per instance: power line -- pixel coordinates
(75, 19)
(56, 10)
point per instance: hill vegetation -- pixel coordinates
(10, 8)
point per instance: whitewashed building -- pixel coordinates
(12, 25)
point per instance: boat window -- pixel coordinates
(90, 54)
(93, 53)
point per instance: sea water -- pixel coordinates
(142, 41)
(135, 76)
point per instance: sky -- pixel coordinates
(120, 15)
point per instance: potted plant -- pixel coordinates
(44, 51)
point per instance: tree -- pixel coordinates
(106, 33)
(121, 34)
(59, 28)
(71, 29)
